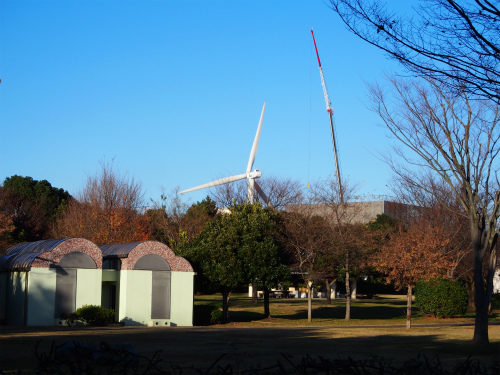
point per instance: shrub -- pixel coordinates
(95, 315)
(442, 298)
(495, 301)
(70, 318)
(216, 316)
(204, 315)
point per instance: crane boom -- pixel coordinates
(330, 114)
(325, 91)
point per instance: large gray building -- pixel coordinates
(358, 212)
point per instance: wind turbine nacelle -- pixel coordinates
(254, 174)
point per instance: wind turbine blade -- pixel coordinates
(262, 194)
(220, 181)
(255, 146)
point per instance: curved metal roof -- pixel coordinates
(119, 250)
(33, 247)
(20, 257)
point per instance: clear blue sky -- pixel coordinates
(173, 90)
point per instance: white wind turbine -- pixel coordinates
(249, 174)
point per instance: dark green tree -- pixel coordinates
(33, 206)
(236, 249)
(261, 252)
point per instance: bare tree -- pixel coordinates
(306, 237)
(107, 210)
(280, 192)
(167, 216)
(453, 42)
(457, 140)
(342, 213)
(176, 223)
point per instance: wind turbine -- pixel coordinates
(249, 174)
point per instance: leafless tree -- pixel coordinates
(457, 140)
(107, 210)
(342, 213)
(174, 222)
(167, 216)
(453, 42)
(306, 237)
(279, 191)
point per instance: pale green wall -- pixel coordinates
(15, 294)
(135, 291)
(121, 291)
(135, 297)
(42, 292)
(41, 296)
(181, 313)
(88, 287)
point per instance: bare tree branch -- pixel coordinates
(453, 42)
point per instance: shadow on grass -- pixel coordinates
(201, 346)
(296, 310)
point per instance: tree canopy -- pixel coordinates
(31, 207)
(413, 254)
(238, 248)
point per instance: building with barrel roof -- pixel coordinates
(144, 282)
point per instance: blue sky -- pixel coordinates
(173, 90)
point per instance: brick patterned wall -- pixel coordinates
(176, 263)
(52, 258)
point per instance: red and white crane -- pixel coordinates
(330, 115)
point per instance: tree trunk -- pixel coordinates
(481, 300)
(255, 298)
(309, 301)
(328, 286)
(347, 289)
(481, 246)
(267, 313)
(408, 306)
(225, 305)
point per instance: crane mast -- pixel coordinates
(330, 115)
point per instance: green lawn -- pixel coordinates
(385, 310)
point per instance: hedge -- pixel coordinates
(441, 297)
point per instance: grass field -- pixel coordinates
(377, 328)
